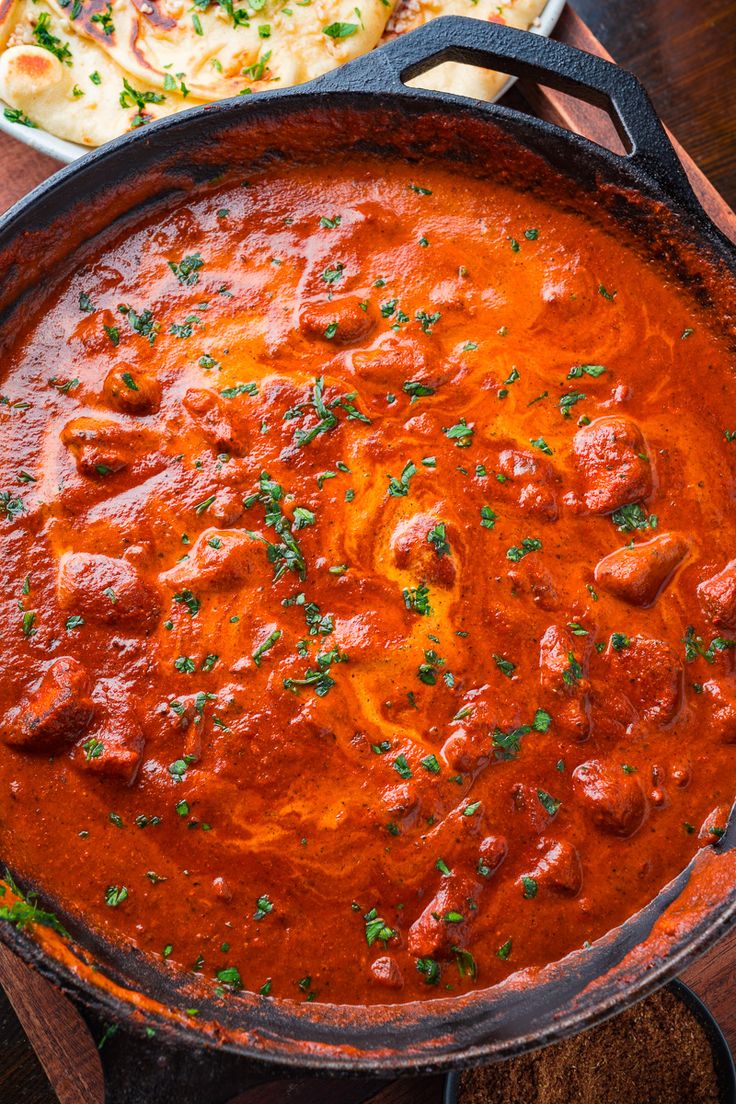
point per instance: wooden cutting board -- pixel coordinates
(61, 1042)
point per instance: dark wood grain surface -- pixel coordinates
(685, 53)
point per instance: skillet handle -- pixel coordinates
(565, 68)
(156, 1071)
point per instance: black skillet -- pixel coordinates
(244, 1039)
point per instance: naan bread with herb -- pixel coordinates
(88, 70)
(451, 76)
(67, 85)
(55, 79)
(221, 47)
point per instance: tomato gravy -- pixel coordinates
(369, 598)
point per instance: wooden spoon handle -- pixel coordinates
(56, 1031)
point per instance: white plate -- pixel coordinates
(62, 150)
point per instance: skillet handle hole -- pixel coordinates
(572, 113)
(568, 112)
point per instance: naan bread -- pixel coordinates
(222, 49)
(71, 86)
(88, 70)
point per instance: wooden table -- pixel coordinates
(685, 54)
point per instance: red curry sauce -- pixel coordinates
(368, 587)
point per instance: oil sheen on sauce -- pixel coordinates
(368, 597)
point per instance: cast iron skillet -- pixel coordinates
(238, 1040)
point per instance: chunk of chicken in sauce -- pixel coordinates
(650, 676)
(461, 841)
(535, 480)
(614, 465)
(344, 321)
(386, 972)
(638, 573)
(444, 922)
(114, 748)
(220, 559)
(717, 596)
(218, 422)
(130, 391)
(102, 447)
(563, 682)
(107, 590)
(56, 712)
(413, 356)
(422, 544)
(613, 798)
(538, 583)
(722, 700)
(559, 869)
